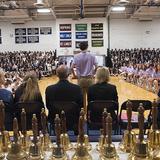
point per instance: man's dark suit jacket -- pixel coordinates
(102, 91)
(62, 91)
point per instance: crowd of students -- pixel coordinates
(138, 66)
(17, 64)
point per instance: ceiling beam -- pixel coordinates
(110, 7)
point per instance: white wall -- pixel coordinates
(132, 34)
(124, 34)
(46, 42)
(99, 50)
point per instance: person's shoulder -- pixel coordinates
(73, 85)
(6, 91)
(92, 55)
(111, 85)
(50, 87)
(93, 86)
(78, 55)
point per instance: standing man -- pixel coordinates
(85, 64)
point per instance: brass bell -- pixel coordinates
(141, 148)
(34, 149)
(109, 151)
(4, 135)
(16, 152)
(129, 137)
(64, 138)
(81, 149)
(24, 139)
(45, 140)
(103, 138)
(86, 138)
(58, 151)
(154, 133)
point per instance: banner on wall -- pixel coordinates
(97, 26)
(20, 31)
(65, 43)
(65, 27)
(33, 39)
(97, 35)
(81, 27)
(78, 42)
(20, 39)
(65, 35)
(45, 30)
(97, 43)
(33, 31)
(81, 35)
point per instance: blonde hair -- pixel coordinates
(2, 78)
(31, 88)
(102, 75)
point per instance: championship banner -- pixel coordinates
(65, 35)
(20, 39)
(33, 31)
(78, 42)
(97, 35)
(20, 31)
(81, 35)
(97, 43)
(45, 30)
(81, 27)
(33, 39)
(65, 43)
(97, 26)
(65, 27)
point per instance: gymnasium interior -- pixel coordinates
(47, 48)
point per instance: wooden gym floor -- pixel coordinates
(125, 90)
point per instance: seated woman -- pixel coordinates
(102, 90)
(28, 95)
(7, 98)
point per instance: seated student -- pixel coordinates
(7, 98)
(63, 90)
(102, 90)
(29, 91)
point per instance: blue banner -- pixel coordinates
(65, 35)
(81, 35)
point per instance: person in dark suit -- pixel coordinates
(102, 90)
(63, 90)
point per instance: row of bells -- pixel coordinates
(36, 147)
